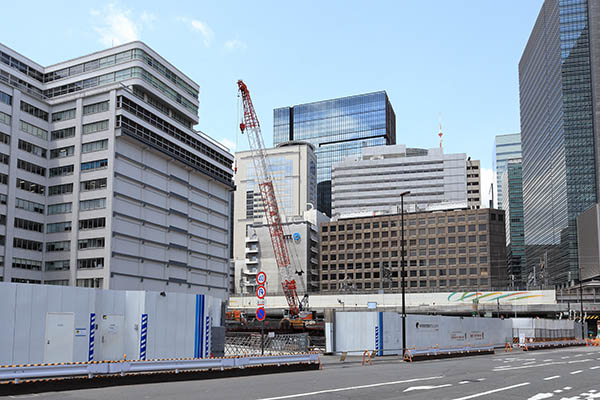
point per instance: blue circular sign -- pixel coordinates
(260, 314)
(296, 236)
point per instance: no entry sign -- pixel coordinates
(260, 314)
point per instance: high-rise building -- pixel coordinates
(293, 166)
(506, 147)
(559, 84)
(374, 181)
(448, 250)
(337, 128)
(512, 185)
(474, 183)
(104, 182)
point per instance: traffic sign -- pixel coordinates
(260, 314)
(261, 292)
(261, 278)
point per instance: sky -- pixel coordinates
(449, 62)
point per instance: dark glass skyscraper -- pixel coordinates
(512, 203)
(559, 137)
(338, 128)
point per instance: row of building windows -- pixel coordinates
(24, 263)
(412, 222)
(34, 130)
(63, 115)
(30, 167)
(29, 225)
(63, 133)
(65, 170)
(472, 283)
(32, 148)
(29, 205)
(33, 110)
(82, 244)
(5, 98)
(95, 108)
(5, 118)
(412, 242)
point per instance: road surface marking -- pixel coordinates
(552, 377)
(481, 379)
(541, 396)
(463, 382)
(576, 372)
(529, 363)
(568, 388)
(596, 367)
(558, 391)
(291, 396)
(472, 396)
(579, 355)
(565, 357)
(410, 389)
(548, 360)
(579, 361)
(529, 366)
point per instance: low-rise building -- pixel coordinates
(448, 250)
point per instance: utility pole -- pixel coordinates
(403, 277)
(581, 304)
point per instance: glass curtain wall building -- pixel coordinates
(506, 147)
(337, 128)
(558, 136)
(512, 183)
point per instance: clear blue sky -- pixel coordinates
(458, 59)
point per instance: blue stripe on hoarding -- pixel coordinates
(92, 331)
(197, 334)
(143, 336)
(201, 326)
(207, 337)
(380, 344)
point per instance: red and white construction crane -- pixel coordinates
(251, 127)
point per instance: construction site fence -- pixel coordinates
(249, 343)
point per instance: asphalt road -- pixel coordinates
(567, 374)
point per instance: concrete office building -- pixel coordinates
(588, 231)
(559, 87)
(293, 166)
(512, 185)
(506, 147)
(474, 184)
(373, 182)
(338, 128)
(104, 182)
(445, 251)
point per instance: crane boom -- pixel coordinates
(251, 126)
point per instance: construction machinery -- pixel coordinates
(273, 214)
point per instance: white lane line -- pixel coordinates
(410, 389)
(579, 355)
(565, 357)
(472, 396)
(579, 361)
(558, 391)
(541, 396)
(567, 388)
(291, 396)
(576, 372)
(552, 377)
(463, 382)
(548, 360)
(529, 363)
(596, 367)
(529, 366)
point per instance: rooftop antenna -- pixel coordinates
(440, 135)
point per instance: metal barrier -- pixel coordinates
(19, 373)
(550, 345)
(239, 344)
(447, 351)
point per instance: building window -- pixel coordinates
(93, 243)
(63, 115)
(5, 118)
(30, 167)
(29, 206)
(63, 245)
(96, 184)
(31, 187)
(59, 265)
(95, 127)
(90, 263)
(5, 98)
(93, 165)
(62, 152)
(32, 148)
(62, 208)
(63, 133)
(62, 171)
(34, 130)
(59, 227)
(33, 110)
(92, 223)
(92, 204)
(57, 282)
(23, 263)
(25, 244)
(90, 282)
(94, 146)
(60, 189)
(95, 108)
(28, 225)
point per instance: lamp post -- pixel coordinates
(581, 304)
(403, 273)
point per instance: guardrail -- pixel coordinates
(550, 345)
(20, 373)
(447, 351)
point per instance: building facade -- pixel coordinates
(512, 184)
(293, 166)
(559, 85)
(337, 128)
(474, 184)
(506, 147)
(104, 181)
(374, 181)
(445, 251)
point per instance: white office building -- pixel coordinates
(103, 180)
(293, 166)
(374, 181)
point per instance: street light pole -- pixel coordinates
(403, 277)
(581, 304)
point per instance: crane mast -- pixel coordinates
(251, 127)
